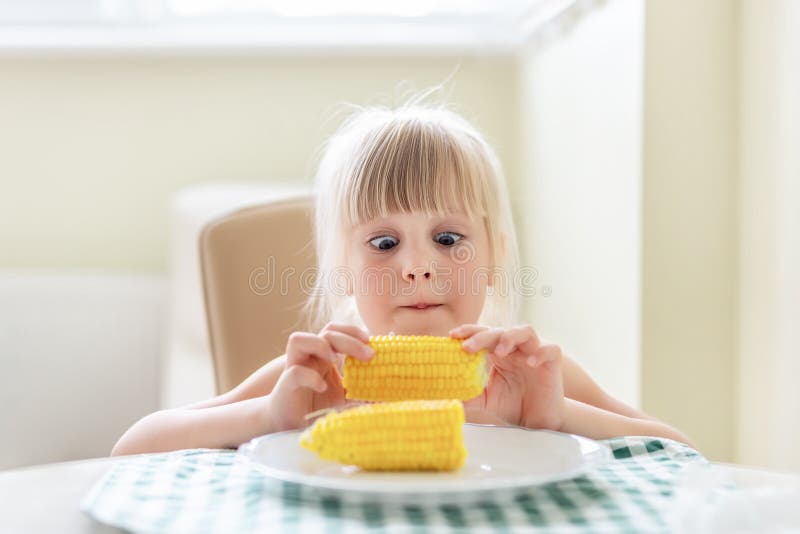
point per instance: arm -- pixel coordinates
(580, 386)
(223, 421)
(591, 412)
(217, 427)
(596, 423)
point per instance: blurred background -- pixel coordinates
(650, 147)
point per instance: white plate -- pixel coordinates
(498, 458)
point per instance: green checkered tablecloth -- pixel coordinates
(204, 490)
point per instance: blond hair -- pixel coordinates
(412, 158)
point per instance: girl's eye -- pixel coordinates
(448, 238)
(383, 242)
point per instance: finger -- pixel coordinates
(523, 338)
(351, 330)
(300, 376)
(486, 339)
(339, 361)
(347, 344)
(544, 354)
(305, 345)
(467, 330)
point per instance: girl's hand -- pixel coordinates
(525, 384)
(311, 379)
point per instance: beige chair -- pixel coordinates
(251, 263)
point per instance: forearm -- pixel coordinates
(597, 423)
(217, 427)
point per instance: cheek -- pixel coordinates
(376, 282)
(474, 297)
(476, 280)
(464, 282)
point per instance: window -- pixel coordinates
(478, 25)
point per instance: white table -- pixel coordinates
(46, 498)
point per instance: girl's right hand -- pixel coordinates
(311, 379)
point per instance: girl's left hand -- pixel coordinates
(525, 384)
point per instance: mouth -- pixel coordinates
(421, 306)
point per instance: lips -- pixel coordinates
(422, 306)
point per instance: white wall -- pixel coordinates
(93, 148)
(80, 358)
(689, 219)
(580, 170)
(769, 278)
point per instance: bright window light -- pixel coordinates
(327, 8)
(247, 26)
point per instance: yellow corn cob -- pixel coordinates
(415, 367)
(396, 436)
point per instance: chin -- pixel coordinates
(422, 329)
(430, 323)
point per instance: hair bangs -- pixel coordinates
(413, 166)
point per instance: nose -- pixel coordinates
(414, 267)
(424, 272)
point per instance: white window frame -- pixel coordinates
(151, 27)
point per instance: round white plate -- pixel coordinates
(498, 458)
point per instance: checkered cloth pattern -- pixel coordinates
(210, 491)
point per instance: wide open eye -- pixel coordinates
(448, 238)
(383, 242)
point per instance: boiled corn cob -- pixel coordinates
(415, 367)
(397, 436)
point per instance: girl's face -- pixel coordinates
(415, 273)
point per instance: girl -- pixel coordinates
(414, 236)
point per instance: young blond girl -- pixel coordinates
(414, 236)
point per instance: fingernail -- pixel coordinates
(323, 388)
(500, 349)
(469, 345)
(532, 361)
(369, 351)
